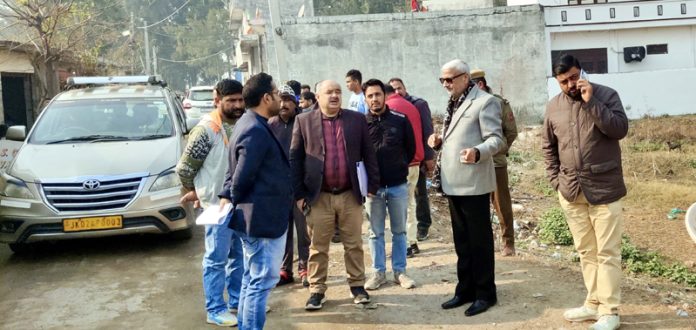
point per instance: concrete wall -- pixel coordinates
(508, 42)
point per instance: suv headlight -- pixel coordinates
(13, 187)
(168, 179)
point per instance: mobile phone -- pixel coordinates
(583, 75)
(306, 209)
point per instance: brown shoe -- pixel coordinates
(508, 250)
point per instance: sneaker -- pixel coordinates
(359, 295)
(508, 250)
(315, 302)
(412, 250)
(336, 238)
(580, 314)
(405, 281)
(422, 235)
(375, 281)
(607, 322)
(285, 278)
(223, 319)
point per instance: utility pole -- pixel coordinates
(154, 60)
(147, 49)
(131, 43)
(278, 32)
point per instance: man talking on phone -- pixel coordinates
(582, 128)
(471, 136)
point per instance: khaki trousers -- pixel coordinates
(411, 221)
(503, 205)
(321, 224)
(596, 233)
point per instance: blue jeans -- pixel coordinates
(262, 258)
(394, 199)
(223, 266)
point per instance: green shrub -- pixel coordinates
(646, 146)
(554, 227)
(650, 263)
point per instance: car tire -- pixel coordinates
(19, 248)
(182, 234)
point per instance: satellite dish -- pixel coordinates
(690, 221)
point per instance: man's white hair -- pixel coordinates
(458, 65)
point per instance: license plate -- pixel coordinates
(93, 223)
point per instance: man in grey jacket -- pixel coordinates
(464, 172)
(582, 129)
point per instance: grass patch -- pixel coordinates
(653, 264)
(543, 186)
(553, 227)
(646, 146)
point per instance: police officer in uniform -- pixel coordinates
(501, 197)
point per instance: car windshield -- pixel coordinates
(201, 95)
(103, 120)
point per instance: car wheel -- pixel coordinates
(19, 248)
(182, 234)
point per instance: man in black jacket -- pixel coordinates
(394, 142)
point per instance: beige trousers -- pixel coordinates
(411, 221)
(321, 223)
(596, 233)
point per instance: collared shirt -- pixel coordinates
(335, 162)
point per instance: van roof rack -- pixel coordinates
(115, 80)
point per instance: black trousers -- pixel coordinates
(303, 241)
(422, 202)
(473, 242)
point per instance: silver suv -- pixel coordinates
(98, 162)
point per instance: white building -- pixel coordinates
(646, 50)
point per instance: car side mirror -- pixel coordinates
(16, 133)
(191, 123)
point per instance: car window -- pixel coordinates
(120, 118)
(201, 95)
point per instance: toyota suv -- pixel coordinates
(98, 162)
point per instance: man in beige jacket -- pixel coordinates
(464, 172)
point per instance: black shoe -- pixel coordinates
(285, 279)
(412, 250)
(422, 235)
(359, 295)
(478, 307)
(455, 302)
(316, 301)
(305, 281)
(336, 238)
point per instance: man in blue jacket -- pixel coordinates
(259, 185)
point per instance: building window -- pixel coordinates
(564, 16)
(636, 11)
(573, 2)
(600, 1)
(593, 60)
(612, 12)
(588, 14)
(659, 10)
(683, 8)
(657, 49)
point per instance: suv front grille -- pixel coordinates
(73, 196)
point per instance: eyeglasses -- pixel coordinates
(449, 80)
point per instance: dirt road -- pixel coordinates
(154, 283)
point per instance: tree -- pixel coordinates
(58, 31)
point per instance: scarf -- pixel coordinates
(216, 125)
(452, 107)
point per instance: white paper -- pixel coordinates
(362, 178)
(213, 215)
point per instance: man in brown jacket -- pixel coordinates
(326, 146)
(501, 196)
(582, 129)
